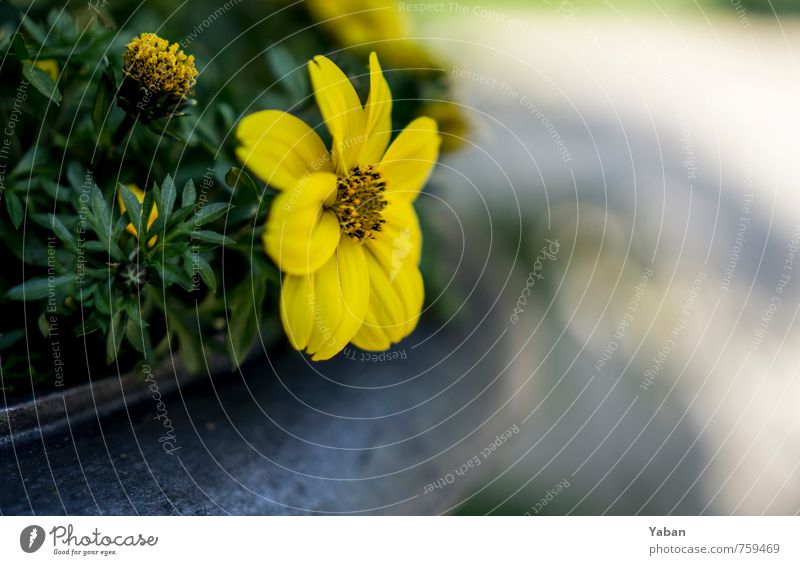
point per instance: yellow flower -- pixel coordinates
(343, 228)
(159, 67)
(139, 194)
(371, 24)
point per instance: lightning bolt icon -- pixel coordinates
(34, 535)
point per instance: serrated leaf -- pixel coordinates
(39, 287)
(42, 82)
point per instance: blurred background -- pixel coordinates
(654, 367)
(612, 275)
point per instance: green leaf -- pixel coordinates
(209, 213)
(103, 100)
(102, 298)
(245, 307)
(189, 195)
(39, 287)
(15, 208)
(18, 48)
(55, 190)
(63, 233)
(172, 274)
(133, 208)
(11, 337)
(115, 334)
(33, 158)
(87, 327)
(76, 176)
(289, 73)
(136, 331)
(101, 216)
(169, 193)
(196, 265)
(180, 215)
(209, 236)
(34, 30)
(147, 206)
(42, 82)
(190, 341)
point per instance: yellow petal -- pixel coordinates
(341, 109)
(297, 305)
(378, 115)
(400, 238)
(395, 304)
(280, 149)
(328, 307)
(385, 304)
(407, 282)
(370, 336)
(410, 158)
(301, 235)
(353, 293)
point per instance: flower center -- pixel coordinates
(359, 202)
